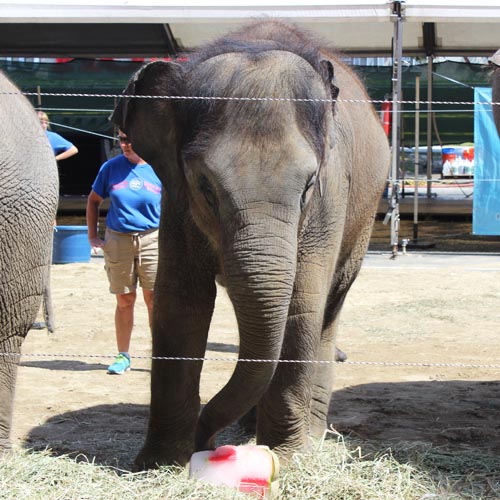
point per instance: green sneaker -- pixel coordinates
(120, 365)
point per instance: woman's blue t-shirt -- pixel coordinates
(134, 191)
(58, 142)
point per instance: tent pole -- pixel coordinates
(430, 60)
(417, 144)
(396, 125)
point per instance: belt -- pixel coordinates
(136, 239)
(132, 233)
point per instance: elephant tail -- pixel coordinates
(48, 311)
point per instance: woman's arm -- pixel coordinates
(93, 203)
(73, 150)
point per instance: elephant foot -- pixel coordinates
(318, 427)
(205, 444)
(5, 448)
(340, 355)
(284, 439)
(204, 439)
(152, 457)
(318, 420)
(285, 451)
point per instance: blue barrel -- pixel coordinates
(70, 245)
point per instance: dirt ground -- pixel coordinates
(434, 233)
(416, 309)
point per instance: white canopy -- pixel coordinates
(363, 27)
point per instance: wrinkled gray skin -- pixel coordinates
(276, 198)
(495, 86)
(29, 194)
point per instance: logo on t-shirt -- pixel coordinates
(136, 184)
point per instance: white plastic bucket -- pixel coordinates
(248, 468)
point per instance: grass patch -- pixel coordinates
(337, 469)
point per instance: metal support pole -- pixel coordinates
(417, 144)
(396, 125)
(430, 60)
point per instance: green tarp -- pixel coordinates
(79, 76)
(455, 123)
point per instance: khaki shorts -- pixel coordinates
(130, 257)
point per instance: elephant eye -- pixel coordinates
(207, 191)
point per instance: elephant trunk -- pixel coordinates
(259, 268)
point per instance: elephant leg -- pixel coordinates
(322, 382)
(283, 413)
(8, 372)
(175, 401)
(15, 317)
(323, 374)
(182, 311)
(172, 419)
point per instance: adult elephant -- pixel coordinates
(495, 64)
(29, 187)
(278, 197)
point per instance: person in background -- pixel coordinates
(62, 147)
(130, 245)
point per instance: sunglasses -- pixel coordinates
(123, 140)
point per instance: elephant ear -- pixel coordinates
(150, 117)
(119, 115)
(156, 78)
(328, 75)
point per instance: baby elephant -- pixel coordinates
(272, 183)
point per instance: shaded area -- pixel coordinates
(71, 365)
(448, 234)
(455, 415)
(108, 434)
(86, 40)
(452, 413)
(222, 347)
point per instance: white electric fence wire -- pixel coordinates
(406, 111)
(227, 98)
(245, 360)
(273, 99)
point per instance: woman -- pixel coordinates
(130, 245)
(62, 147)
